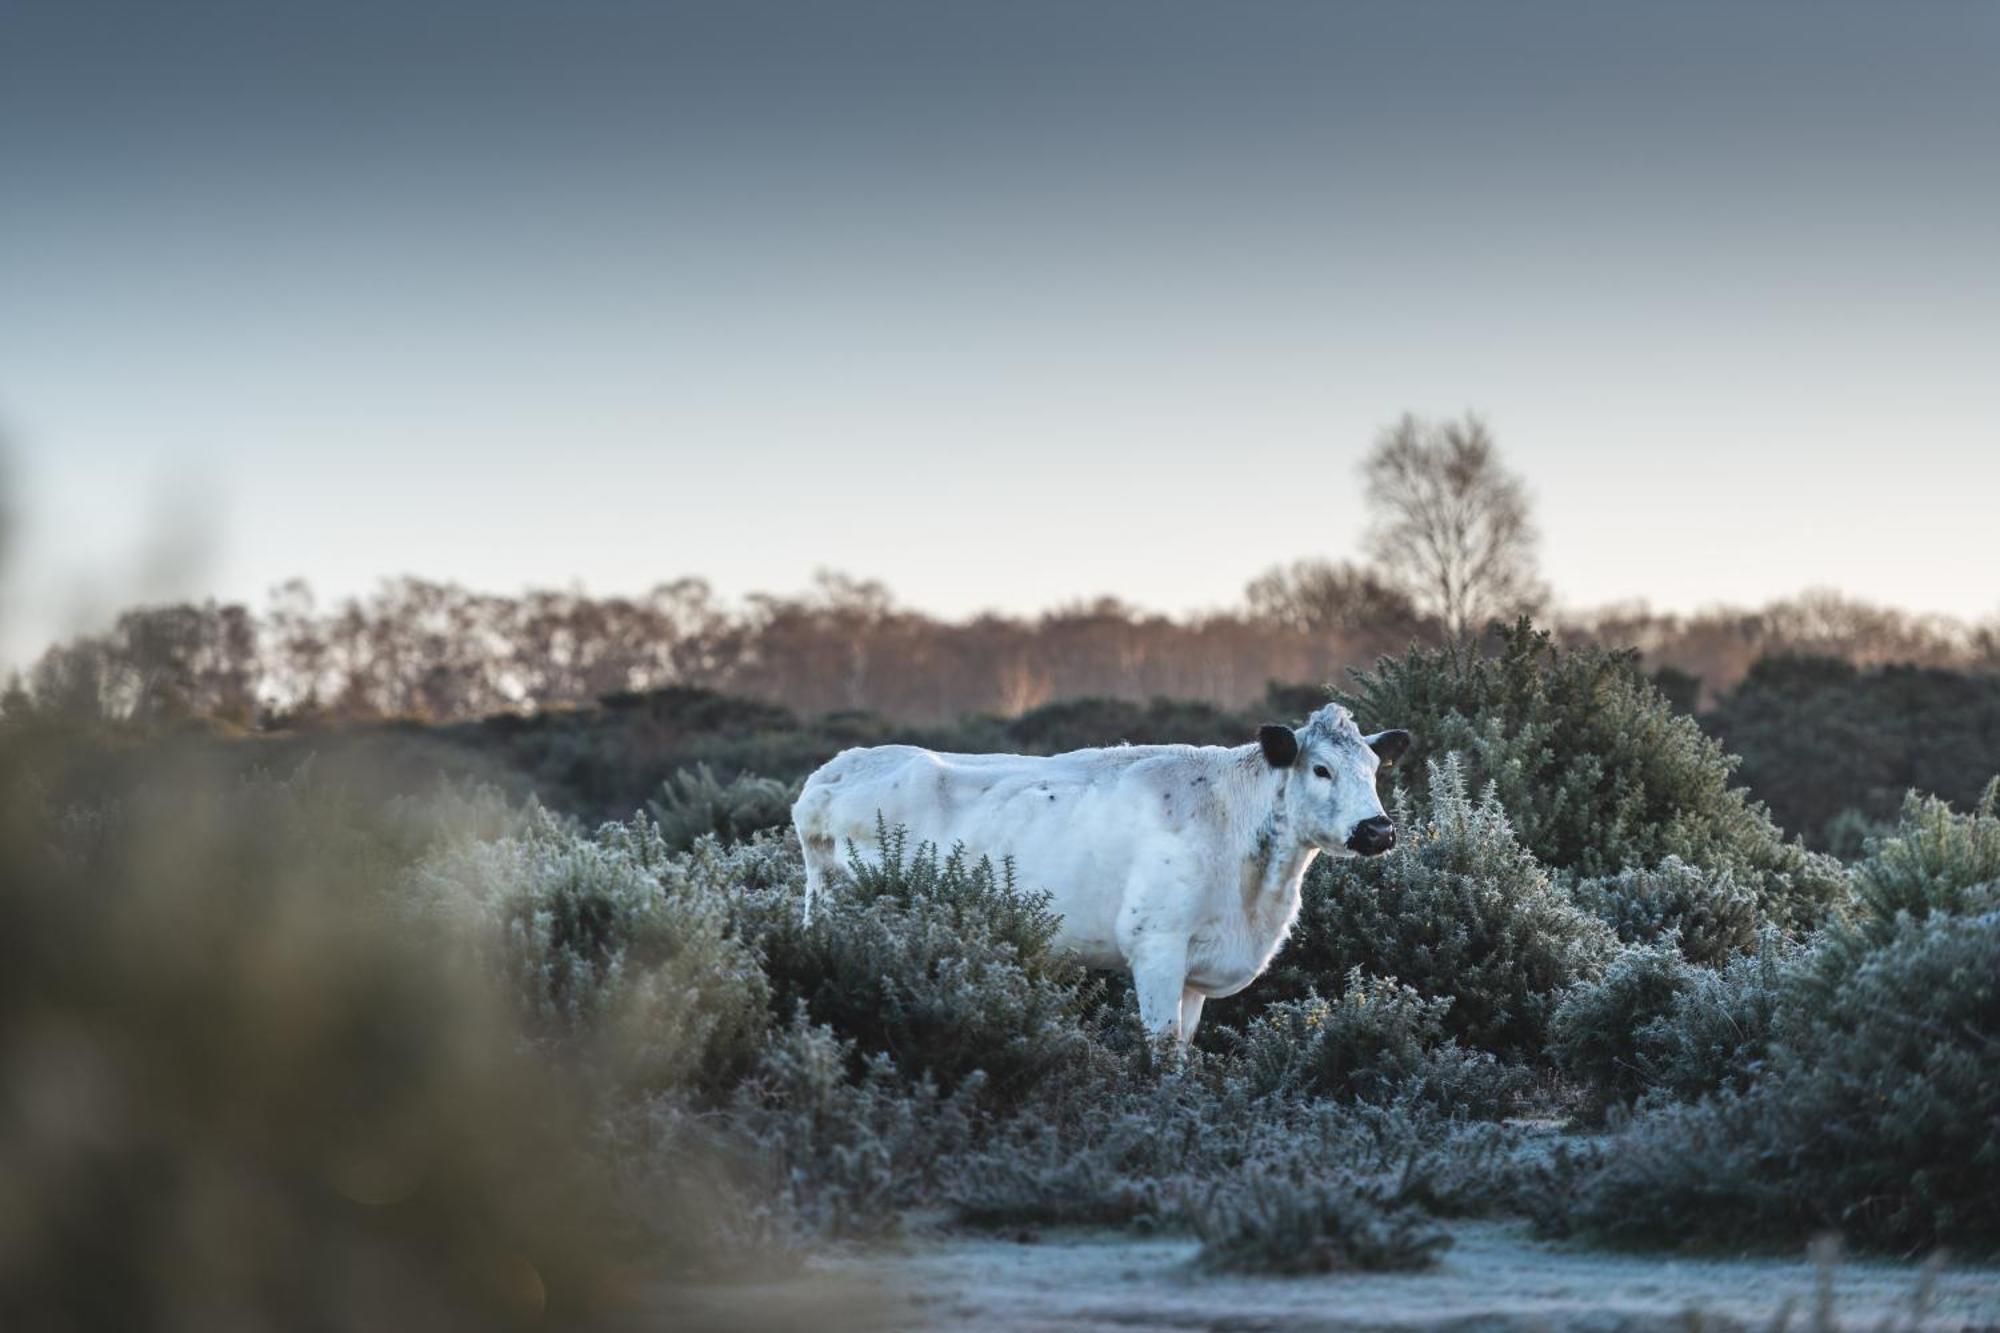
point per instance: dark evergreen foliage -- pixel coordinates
(1460, 911)
(1594, 767)
(1831, 747)
(1876, 1108)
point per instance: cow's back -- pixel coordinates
(1072, 823)
(992, 802)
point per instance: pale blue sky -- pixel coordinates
(1002, 304)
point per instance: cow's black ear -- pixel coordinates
(1389, 746)
(1280, 744)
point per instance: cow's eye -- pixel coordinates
(1319, 771)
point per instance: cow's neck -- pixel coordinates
(1275, 858)
(1275, 871)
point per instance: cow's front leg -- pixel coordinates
(1159, 974)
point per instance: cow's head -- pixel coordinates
(1329, 789)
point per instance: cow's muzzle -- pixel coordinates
(1372, 837)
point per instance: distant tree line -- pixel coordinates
(1453, 547)
(437, 652)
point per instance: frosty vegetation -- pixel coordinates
(490, 1057)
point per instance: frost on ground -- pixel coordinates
(1496, 1276)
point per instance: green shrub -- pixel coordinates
(1935, 862)
(1288, 1226)
(1057, 1187)
(1107, 1143)
(1377, 1041)
(1708, 913)
(1594, 766)
(1595, 1035)
(938, 962)
(1876, 1109)
(1929, 863)
(693, 804)
(1460, 911)
(1655, 1025)
(608, 953)
(1719, 1027)
(1878, 1117)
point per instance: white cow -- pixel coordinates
(1179, 862)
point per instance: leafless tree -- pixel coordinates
(1451, 525)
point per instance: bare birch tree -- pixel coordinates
(1450, 525)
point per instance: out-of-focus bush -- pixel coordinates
(1710, 916)
(609, 954)
(1378, 1040)
(236, 1089)
(1460, 910)
(1849, 832)
(1593, 765)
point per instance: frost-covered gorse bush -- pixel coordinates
(1287, 1225)
(1594, 766)
(849, 1154)
(1594, 1037)
(693, 803)
(1653, 1024)
(1719, 1027)
(1377, 1040)
(1879, 1118)
(938, 961)
(1875, 1110)
(1459, 911)
(1934, 861)
(1708, 914)
(1118, 1144)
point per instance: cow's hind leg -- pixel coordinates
(818, 849)
(1190, 1013)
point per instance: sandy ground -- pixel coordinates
(1496, 1277)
